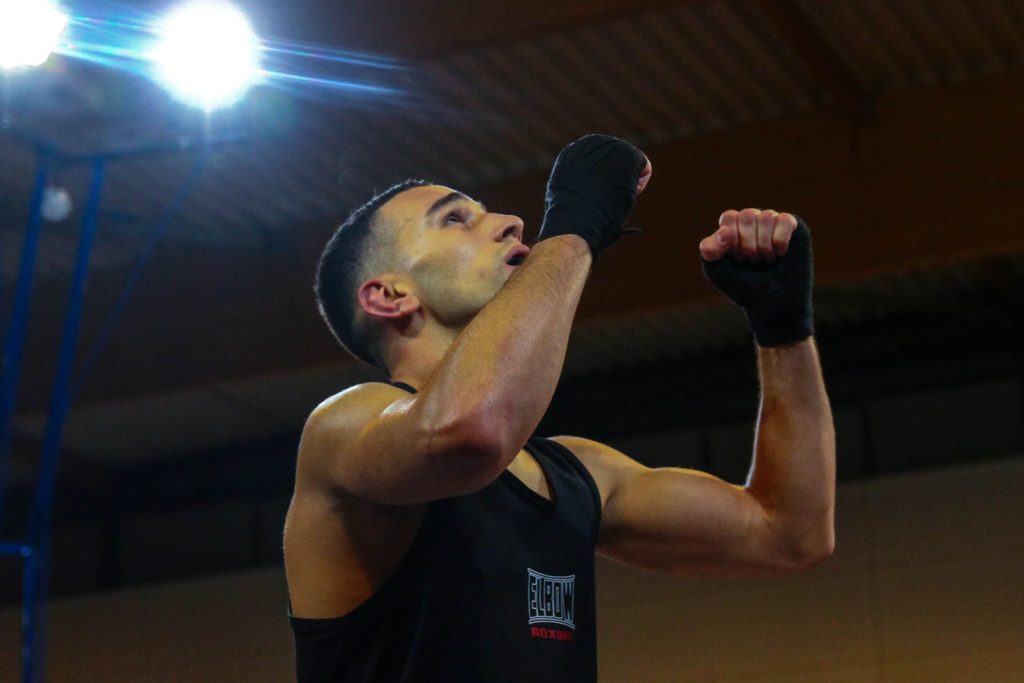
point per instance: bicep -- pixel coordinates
(677, 520)
(373, 442)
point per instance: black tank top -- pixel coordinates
(497, 586)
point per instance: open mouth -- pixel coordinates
(517, 255)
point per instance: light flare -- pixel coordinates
(208, 54)
(29, 31)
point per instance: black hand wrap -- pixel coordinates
(776, 297)
(591, 190)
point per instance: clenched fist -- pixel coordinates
(750, 235)
(762, 261)
(592, 189)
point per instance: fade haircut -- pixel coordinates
(355, 250)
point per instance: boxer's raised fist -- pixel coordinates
(593, 186)
(762, 261)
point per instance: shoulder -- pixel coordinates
(339, 418)
(608, 466)
(352, 407)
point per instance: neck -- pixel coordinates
(415, 359)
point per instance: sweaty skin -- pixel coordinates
(477, 331)
(483, 342)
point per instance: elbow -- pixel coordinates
(816, 556)
(808, 551)
(488, 426)
(812, 553)
(471, 449)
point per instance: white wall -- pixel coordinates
(925, 586)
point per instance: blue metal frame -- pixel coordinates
(33, 612)
(34, 549)
(14, 342)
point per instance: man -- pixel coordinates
(431, 536)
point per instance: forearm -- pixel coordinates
(793, 475)
(500, 374)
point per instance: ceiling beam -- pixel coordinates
(848, 93)
(439, 29)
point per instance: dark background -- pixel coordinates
(892, 128)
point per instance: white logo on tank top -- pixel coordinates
(550, 598)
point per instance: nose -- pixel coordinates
(508, 226)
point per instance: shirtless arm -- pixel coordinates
(681, 520)
(782, 518)
(494, 383)
(478, 408)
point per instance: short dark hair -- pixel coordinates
(338, 277)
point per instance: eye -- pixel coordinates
(453, 217)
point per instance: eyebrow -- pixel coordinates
(450, 198)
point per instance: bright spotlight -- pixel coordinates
(29, 31)
(208, 54)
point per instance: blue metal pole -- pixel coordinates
(148, 249)
(14, 341)
(33, 619)
(33, 609)
(14, 548)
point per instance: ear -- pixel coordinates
(385, 298)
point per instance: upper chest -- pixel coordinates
(526, 468)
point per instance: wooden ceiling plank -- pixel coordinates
(849, 95)
(537, 57)
(526, 99)
(1016, 9)
(359, 161)
(526, 20)
(953, 65)
(710, 93)
(983, 33)
(623, 68)
(679, 106)
(880, 66)
(1011, 29)
(894, 43)
(701, 108)
(691, 49)
(748, 57)
(933, 57)
(479, 148)
(611, 114)
(727, 59)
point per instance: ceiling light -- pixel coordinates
(208, 54)
(29, 31)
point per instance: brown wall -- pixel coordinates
(924, 586)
